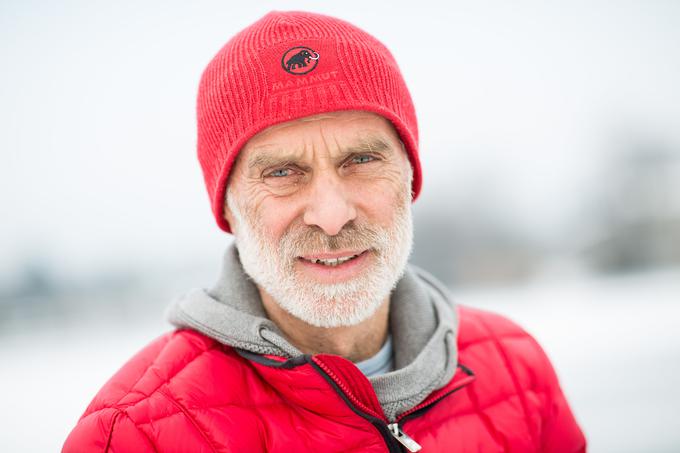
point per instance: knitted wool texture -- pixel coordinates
(289, 65)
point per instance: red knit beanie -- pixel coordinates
(289, 65)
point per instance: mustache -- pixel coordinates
(312, 239)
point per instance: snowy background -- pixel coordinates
(550, 141)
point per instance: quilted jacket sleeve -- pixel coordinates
(560, 432)
(108, 430)
(547, 411)
(105, 425)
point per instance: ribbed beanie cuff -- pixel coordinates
(289, 65)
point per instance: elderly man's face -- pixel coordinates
(320, 208)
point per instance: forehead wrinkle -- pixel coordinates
(266, 156)
(371, 144)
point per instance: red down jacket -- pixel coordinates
(185, 392)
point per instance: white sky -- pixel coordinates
(517, 101)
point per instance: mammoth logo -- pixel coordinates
(299, 60)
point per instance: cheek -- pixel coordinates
(275, 222)
(381, 198)
(275, 216)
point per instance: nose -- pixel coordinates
(330, 206)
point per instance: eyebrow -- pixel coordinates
(370, 144)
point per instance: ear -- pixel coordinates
(226, 210)
(409, 168)
(227, 214)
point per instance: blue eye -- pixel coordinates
(362, 159)
(281, 172)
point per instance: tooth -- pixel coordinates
(332, 261)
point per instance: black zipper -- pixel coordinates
(390, 438)
(393, 445)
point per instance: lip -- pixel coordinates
(335, 274)
(327, 256)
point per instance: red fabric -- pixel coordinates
(185, 392)
(246, 88)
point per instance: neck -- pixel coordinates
(355, 343)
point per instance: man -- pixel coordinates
(318, 336)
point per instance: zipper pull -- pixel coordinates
(403, 438)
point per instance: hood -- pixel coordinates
(423, 325)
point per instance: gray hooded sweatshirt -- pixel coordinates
(423, 325)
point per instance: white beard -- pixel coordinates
(271, 265)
